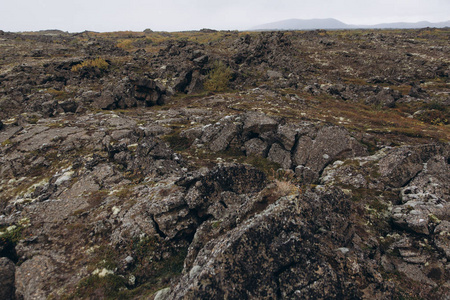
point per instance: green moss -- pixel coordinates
(216, 224)
(124, 193)
(60, 95)
(176, 142)
(6, 143)
(263, 164)
(108, 287)
(434, 219)
(378, 205)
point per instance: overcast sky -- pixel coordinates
(177, 15)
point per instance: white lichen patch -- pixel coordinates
(41, 183)
(103, 272)
(25, 222)
(66, 176)
(11, 228)
(131, 280)
(92, 249)
(132, 147)
(115, 210)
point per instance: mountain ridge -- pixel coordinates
(331, 23)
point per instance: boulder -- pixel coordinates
(32, 277)
(7, 279)
(386, 97)
(69, 106)
(262, 257)
(255, 147)
(224, 137)
(426, 199)
(301, 152)
(258, 123)
(287, 135)
(402, 164)
(147, 90)
(330, 143)
(280, 156)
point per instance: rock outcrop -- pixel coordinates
(306, 148)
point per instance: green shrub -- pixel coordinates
(218, 78)
(10, 236)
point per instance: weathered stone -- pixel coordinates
(258, 123)
(386, 97)
(32, 278)
(69, 106)
(280, 156)
(7, 271)
(255, 147)
(224, 137)
(162, 294)
(330, 143)
(424, 199)
(287, 135)
(107, 100)
(238, 179)
(402, 164)
(306, 174)
(202, 60)
(301, 153)
(281, 243)
(196, 84)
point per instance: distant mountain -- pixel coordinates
(404, 25)
(299, 24)
(293, 24)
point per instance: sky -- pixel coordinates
(178, 15)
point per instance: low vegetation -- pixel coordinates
(98, 63)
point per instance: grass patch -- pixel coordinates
(96, 287)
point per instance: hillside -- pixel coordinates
(225, 165)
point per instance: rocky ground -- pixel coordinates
(225, 165)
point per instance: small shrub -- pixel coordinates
(9, 237)
(218, 78)
(434, 117)
(11, 234)
(99, 63)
